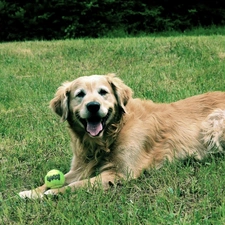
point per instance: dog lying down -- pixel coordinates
(115, 136)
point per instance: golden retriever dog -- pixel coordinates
(115, 136)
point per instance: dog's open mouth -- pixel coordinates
(95, 124)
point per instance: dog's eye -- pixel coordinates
(80, 94)
(103, 92)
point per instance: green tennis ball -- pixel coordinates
(54, 179)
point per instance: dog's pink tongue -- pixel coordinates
(94, 128)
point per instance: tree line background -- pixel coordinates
(60, 19)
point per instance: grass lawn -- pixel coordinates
(34, 141)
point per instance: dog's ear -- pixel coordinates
(59, 104)
(122, 92)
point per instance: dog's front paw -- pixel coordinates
(51, 192)
(31, 194)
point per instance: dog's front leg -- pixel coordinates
(34, 193)
(105, 180)
(39, 191)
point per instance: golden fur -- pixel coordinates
(115, 136)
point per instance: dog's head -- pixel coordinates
(91, 102)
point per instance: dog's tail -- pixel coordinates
(213, 131)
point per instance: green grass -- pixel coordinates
(33, 141)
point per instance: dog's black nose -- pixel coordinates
(93, 107)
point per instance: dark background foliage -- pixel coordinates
(59, 19)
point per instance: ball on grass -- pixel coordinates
(54, 179)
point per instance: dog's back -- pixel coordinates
(154, 133)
